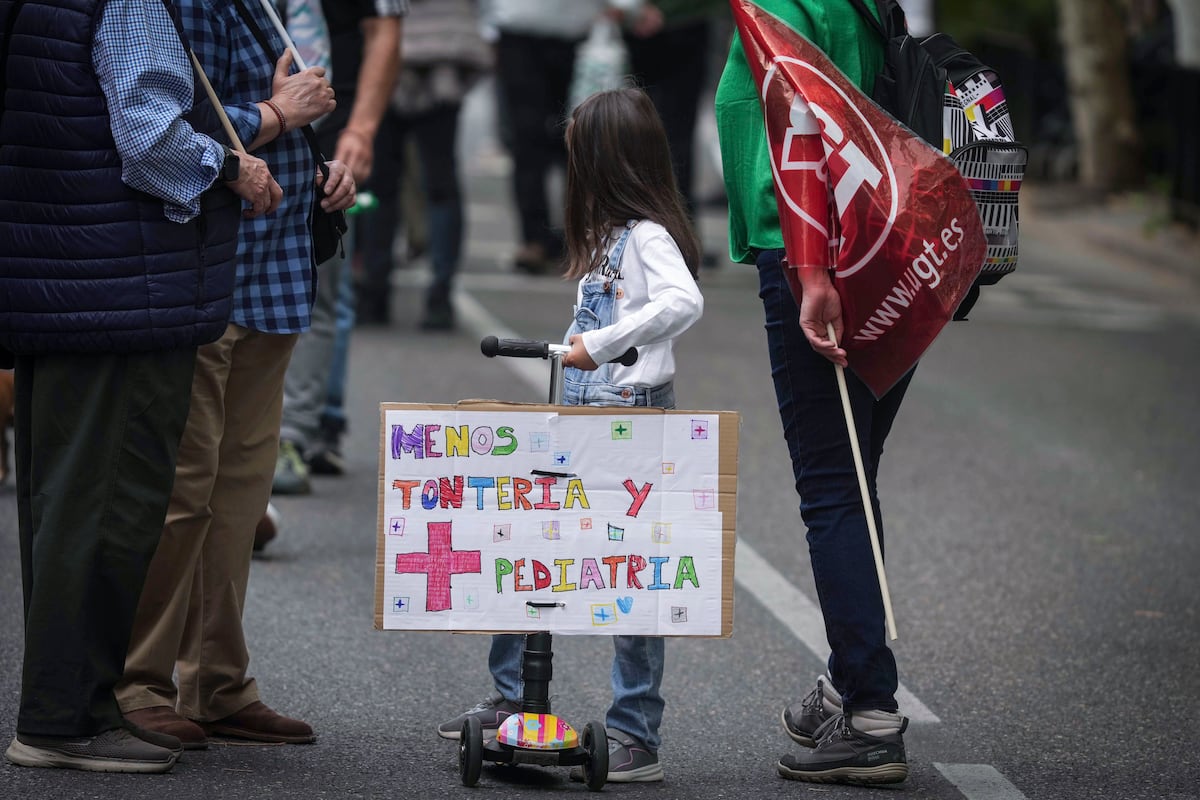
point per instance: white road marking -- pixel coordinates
(979, 782)
(751, 571)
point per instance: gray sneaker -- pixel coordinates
(844, 754)
(629, 761)
(115, 750)
(802, 719)
(291, 473)
(491, 712)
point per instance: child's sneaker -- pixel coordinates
(629, 761)
(802, 719)
(862, 748)
(491, 712)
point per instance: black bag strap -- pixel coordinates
(310, 135)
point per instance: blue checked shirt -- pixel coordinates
(147, 79)
(275, 277)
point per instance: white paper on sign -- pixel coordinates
(578, 523)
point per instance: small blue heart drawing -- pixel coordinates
(624, 603)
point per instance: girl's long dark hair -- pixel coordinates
(618, 169)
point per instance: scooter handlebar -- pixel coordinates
(533, 348)
(514, 348)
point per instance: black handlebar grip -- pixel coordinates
(517, 348)
(628, 358)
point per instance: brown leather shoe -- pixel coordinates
(163, 719)
(259, 723)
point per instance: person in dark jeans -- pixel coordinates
(668, 45)
(849, 726)
(434, 133)
(364, 41)
(444, 56)
(535, 75)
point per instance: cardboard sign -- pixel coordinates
(502, 517)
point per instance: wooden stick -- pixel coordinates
(216, 103)
(269, 7)
(866, 495)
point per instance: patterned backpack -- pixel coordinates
(952, 100)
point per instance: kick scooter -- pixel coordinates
(533, 735)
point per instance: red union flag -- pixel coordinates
(862, 195)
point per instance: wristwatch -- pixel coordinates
(231, 166)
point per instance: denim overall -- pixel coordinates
(637, 668)
(595, 387)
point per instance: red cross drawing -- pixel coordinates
(439, 563)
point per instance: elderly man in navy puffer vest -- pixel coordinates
(118, 231)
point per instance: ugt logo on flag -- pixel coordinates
(862, 195)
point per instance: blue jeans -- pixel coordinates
(637, 671)
(861, 665)
(333, 416)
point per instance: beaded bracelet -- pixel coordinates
(282, 120)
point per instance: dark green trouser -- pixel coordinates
(96, 441)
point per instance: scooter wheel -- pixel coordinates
(470, 751)
(595, 744)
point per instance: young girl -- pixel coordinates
(632, 247)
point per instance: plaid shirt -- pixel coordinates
(275, 278)
(147, 78)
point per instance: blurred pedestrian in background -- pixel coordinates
(364, 48)
(669, 43)
(536, 43)
(444, 56)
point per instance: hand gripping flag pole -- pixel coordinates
(876, 550)
(277, 23)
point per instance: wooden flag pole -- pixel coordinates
(269, 7)
(866, 495)
(216, 104)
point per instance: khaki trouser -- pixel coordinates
(190, 614)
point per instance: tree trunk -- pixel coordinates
(1101, 101)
